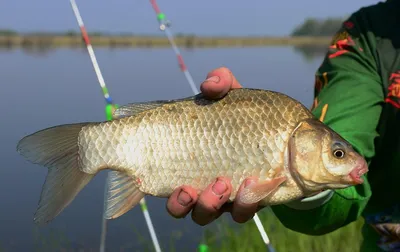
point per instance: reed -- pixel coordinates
(56, 41)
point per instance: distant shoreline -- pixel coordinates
(71, 41)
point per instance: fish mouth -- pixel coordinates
(360, 169)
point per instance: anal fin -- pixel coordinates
(259, 190)
(122, 195)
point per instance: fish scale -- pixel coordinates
(171, 140)
(155, 147)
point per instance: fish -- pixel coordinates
(153, 147)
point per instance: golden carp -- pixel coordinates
(154, 147)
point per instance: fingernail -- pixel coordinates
(214, 79)
(184, 198)
(219, 187)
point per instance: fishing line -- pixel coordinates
(109, 110)
(164, 26)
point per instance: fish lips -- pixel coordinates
(360, 169)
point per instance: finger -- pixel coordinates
(235, 82)
(210, 201)
(243, 212)
(228, 207)
(181, 201)
(218, 83)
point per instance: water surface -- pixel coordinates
(43, 89)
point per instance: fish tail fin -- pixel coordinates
(57, 149)
(121, 195)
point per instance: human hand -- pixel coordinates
(212, 202)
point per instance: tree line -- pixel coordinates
(318, 27)
(310, 27)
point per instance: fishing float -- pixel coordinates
(110, 107)
(164, 26)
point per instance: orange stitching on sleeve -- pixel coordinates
(325, 75)
(323, 113)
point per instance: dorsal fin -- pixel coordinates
(135, 108)
(138, 107)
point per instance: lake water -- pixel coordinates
(43, 89)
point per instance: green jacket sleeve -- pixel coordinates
(349, 83)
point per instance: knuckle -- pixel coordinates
(200, 222)
(174, 213)
(178, 214)
(203, 219)
(208, 207)
(211, 203)
(224, 69)
(175, 210)
(203, 214)
(241, 218)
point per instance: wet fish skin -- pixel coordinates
(194, 142)
(158, 146)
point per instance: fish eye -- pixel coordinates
(339, 153)
(338, 150)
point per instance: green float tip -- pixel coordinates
(109, 111)
(161, 16)
(203, 248)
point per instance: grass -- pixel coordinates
(46, 41)
(51, 241)
(224, 236)
(245, 237)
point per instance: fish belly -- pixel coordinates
(195, 152)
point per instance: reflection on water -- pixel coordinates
(34, 51)
(43, 88)
(311, 52)
(307, 51)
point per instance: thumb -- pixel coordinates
(219, 81)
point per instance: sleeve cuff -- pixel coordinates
(311, 202)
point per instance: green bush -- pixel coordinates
(316, 27)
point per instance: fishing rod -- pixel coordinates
(110, 107)
(165, 24)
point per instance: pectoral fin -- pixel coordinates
(259, 190)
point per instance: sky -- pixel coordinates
(205, 17)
